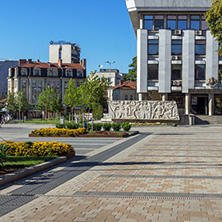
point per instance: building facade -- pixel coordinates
(176, 54)
(33, 77)
(112, 75)
(4, 66)
(124, 91)
(66, 51)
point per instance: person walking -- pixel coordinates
(0, 120)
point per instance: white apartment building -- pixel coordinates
(113, 76)
(66, 51)
(176, 54)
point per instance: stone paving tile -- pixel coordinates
(118, 209)
(173, 175)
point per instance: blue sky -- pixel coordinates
(102, 28)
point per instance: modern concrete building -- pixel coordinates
(66, 51)
(112, 75)
(33, 77)
(176, 54)
(4, 66)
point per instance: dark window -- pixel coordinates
(131, 97)
(158, 22)
(60, 53)
(153, 47)
(126, 97)
(148, 22)
(200, 47)
(199, 72)
(172, 22)
(195, 22)
(182, 22)
(176, 72)
(152, 72)
(176, 47)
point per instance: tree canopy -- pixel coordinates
(47, 100)
(214, 20)
(11, 101)
(132, 75)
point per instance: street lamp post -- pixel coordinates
(110, 63)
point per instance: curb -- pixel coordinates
(12, 177)
(87, 135)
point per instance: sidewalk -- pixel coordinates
(174, 174)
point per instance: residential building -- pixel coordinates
(4, 66)
(66, 51)
(124, 91)
(33, 77)
(112, 75)
(176, 54)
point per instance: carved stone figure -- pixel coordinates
(144, 110)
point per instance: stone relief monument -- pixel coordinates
(143, 110)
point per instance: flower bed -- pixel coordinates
(105, 134)
(37, 148)
(152, 124)
(57, 132)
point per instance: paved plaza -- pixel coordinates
(163, 174)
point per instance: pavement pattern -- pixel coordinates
(164, 174)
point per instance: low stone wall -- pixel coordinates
(143, 110)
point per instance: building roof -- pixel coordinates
(125, 85)
(46, 65)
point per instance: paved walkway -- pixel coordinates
(169, 174)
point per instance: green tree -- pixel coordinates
(11, 101)
(93, 91)
(47, 100)
(72, 95)
(214, 19)
(132, 75)
(22, 103)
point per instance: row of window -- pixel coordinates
(176, 71)
(52, 72)
(128, 97)
(174, 22)
(176, 47)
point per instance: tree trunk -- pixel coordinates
(88, 121)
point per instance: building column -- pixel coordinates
(164, 97)
(210, 104)
(140, 96)
(142, 60)
(187, 104)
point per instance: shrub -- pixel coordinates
(60, 125)
(126, 126)
(97, 126)
(107, 126)
(72, 126)
(89, 126)
(116, 126)
(2, 154)
(36, 148)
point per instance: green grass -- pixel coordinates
(22, 162)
